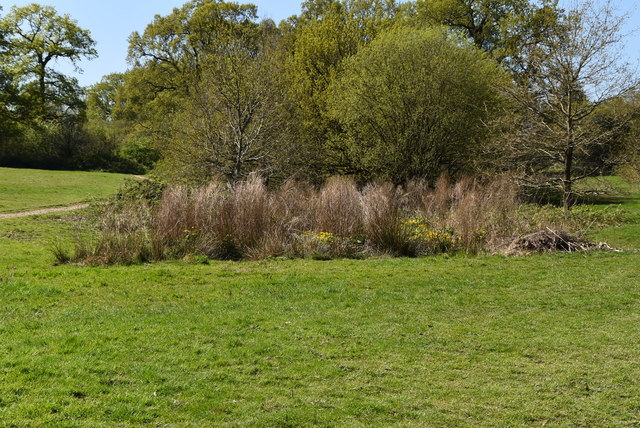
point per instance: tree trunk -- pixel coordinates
(42, 74)
(567, 182)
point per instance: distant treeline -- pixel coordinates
(372, 89)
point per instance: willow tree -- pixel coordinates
(412, 103)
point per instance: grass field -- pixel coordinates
(29, 189)
(626, 236)
(548, 340)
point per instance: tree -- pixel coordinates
(103, 97)
(8, 101)
(37, 37)
(8, 91)
(576, 69)
(503, 28)
(481, 20)
(232, 123)
(168, 56)
(409, 106)
(168, 59)
(6, 87)
(326, 33)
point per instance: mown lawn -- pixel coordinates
(487, 341)
(548, 340)
(626, 236)
(29, 189)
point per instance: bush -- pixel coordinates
(141, 152)
(140, 189)
(248, 221)
(121, 235)
(408, 106)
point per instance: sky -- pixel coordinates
(111, 22)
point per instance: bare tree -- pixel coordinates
(574, 71)
(232, 124)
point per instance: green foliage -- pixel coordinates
(169, 54)
(374, 89)
(60, 252)
(140, 190)
(130, 149)
(582, 219)
(480, 20)
(317, 43)
(427, 239)
(102, 97)
(42, 111)
(409, 107)
(141, 151)
(36, 36)
(504, 28)
(623, 153)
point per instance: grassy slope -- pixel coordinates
(486, 341)
(628, 235)
(28, 189)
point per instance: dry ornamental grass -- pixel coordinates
(249, 221)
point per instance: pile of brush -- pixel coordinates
(549, 240)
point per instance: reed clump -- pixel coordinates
(246, 220)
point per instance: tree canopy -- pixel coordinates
(369, 88)
(410, 108)
(37, 37)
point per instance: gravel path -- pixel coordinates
(44, 211)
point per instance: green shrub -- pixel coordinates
(140, 189)
(141, 151)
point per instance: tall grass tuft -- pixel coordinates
(248, 221)
(338, 208)
(383, 216)
(250, 211)
(122, 236)
(483, 214)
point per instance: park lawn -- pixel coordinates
(548, 340)
(30, 189)
(626, 236)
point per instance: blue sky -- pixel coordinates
(111, 22)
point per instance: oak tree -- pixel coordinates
(37, 37)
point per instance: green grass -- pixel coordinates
(548, 340)
(626, 195)
(29, 189)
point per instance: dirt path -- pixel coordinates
(44, 211)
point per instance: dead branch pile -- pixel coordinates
(549, 240)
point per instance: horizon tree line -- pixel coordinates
(373, 89)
